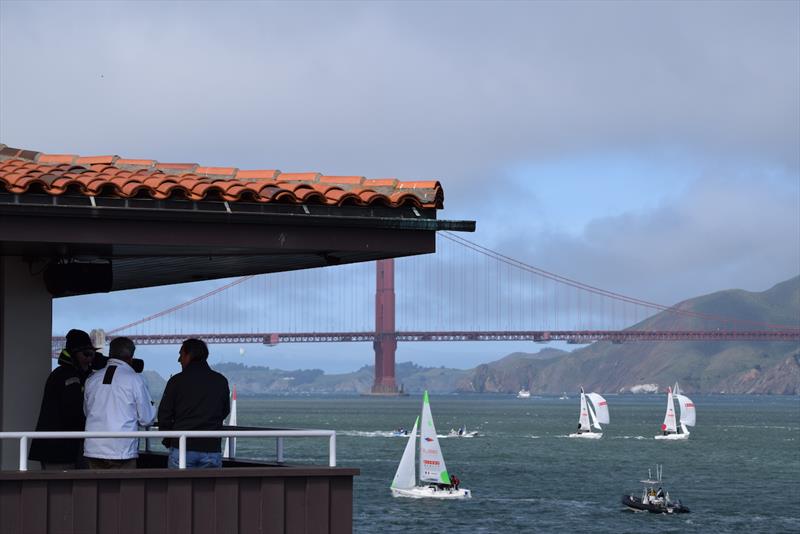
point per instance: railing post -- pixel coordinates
(23, 453)
(182, 452)
(332, 451)
(279, 450)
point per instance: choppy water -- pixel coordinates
(738, 472)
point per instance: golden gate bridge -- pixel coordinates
(464, 292)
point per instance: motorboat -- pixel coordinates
(524, 394)
(462, 432)
(434, 480)
(654, 499)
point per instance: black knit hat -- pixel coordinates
(78, 340)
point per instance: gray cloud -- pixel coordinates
(457, 92)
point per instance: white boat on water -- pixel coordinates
(462, 432)
(594, 410)
(669, 428)
(524, 394)
(435, 482)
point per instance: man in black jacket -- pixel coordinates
(197, 398)
(62, 405)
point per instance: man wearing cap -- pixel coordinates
(116, 400)
(62, 405)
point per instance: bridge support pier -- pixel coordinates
(385, 344)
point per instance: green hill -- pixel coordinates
(708, 366)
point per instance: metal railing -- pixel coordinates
(181, 435)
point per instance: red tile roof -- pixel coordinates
(56, 174)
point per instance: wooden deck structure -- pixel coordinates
(242, 497)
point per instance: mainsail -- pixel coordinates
(229, 450)
(669, 418)
(583, 421)
(600, 408)
(405, 477)
(431, 462)
(688, 416)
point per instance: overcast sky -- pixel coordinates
(647, 148)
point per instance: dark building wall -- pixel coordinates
(230, 501)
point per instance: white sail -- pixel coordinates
(583, 420)
(669, 418)
(600, 408)
(688, 416)
(229, 450)
(405, 477)
(593, 416)
(431, 461)
(676, 390)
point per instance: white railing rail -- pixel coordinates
(181, 435)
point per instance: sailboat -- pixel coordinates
(435, 482)
(669, 428)
(229, 451)
(594, 410)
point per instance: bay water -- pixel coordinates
(738, 472)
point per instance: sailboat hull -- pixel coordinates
(587, 435)
(673, 437)
(470, 434)
(432, 492)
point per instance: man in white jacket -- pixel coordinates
(116, 399)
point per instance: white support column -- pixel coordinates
(26, 315)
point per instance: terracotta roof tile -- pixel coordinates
(341, 179)
(388, 182)
(298, 177)
(57, 158)
(138, 162)
(217, 171)
(91, 160)
(256, 175)
(57, 174)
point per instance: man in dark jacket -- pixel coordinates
(197, 398)
(62, 405)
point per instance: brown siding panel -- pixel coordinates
(250, 512)
(317, 504)
(273, 515)
(295, 505)
(341, 504)
(84, 495)
(108, 506)
(10, 507)
(155, 506)
(132, 506)
(60, 515)
(203, 517)
(241, 500)
(227, 506)
(34, 507)
(179, 505)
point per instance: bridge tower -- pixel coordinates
(385, 343)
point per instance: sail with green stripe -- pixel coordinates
(431, 461)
